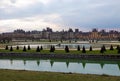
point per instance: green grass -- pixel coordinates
(46, 51)
(14, 75)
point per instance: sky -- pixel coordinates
(59, 14)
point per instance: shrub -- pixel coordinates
(66, 49)
(38, 49)
(104, 48)
(17, 48)
(24, 48)
(90, 48)
(83, 49)
(6, 47)
(29, 47)
(78, 48)
(102, 51)
(11, 49)
(119, 50)
(111, 47)
(41, 48)
(52, 48)
(117, 47)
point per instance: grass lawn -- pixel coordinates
(47, 51)
(14, 75)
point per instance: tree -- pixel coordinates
(111, 47)
(119, 50)
(11, 49)
(52, 48)
(90, 48)
(29, 47)
(117, 47)
(102, 51)
(104, 48)
(78, 48)
(17, 48)
(83, 49)
(38, 49)
(41, 48)
(6, 48)
(66, 49)
(24, 48)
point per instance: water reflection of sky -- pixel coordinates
(85, 67)
(61, 45)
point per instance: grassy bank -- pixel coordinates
(47, 51)
(14, 75)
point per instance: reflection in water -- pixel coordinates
(38, 62)
(57, 65)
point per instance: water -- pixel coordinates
(61, 46)
(56, 65)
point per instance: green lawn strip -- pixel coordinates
(47, 51)
(14, 75)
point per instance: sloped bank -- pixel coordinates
(62, 56)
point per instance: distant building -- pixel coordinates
(94, 35)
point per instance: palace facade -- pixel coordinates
(21, 35)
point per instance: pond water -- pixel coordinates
(61, 46)
(56, 65)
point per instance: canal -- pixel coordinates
(64, 65)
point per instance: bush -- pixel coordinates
(17, 48)
(24, 48)
(11, 49)
(90, 48)
(111, 47)
(66, 49)
(41, 48)
(6, 47)
(38, 49)
(103, 49)
(52, 48)
(29, 47)
(117, 47)
(119, 50)
(83, 49)
(78, 48)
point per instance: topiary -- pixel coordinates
(66, 49)
(24, 48)
(111, 47)
(11, 49)
(90, 48)
(6, 47)
(78, 48)
(37, 49)
(83, 49)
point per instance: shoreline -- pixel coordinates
(23, 75)
(63, 56)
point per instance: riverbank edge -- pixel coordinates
(26, 75)
(62, 56)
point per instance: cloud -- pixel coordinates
(82, 14)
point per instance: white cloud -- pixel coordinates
(33, 14)
(31, 23)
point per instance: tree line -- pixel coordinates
(67, 50)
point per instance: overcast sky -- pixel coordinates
(59, 14)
